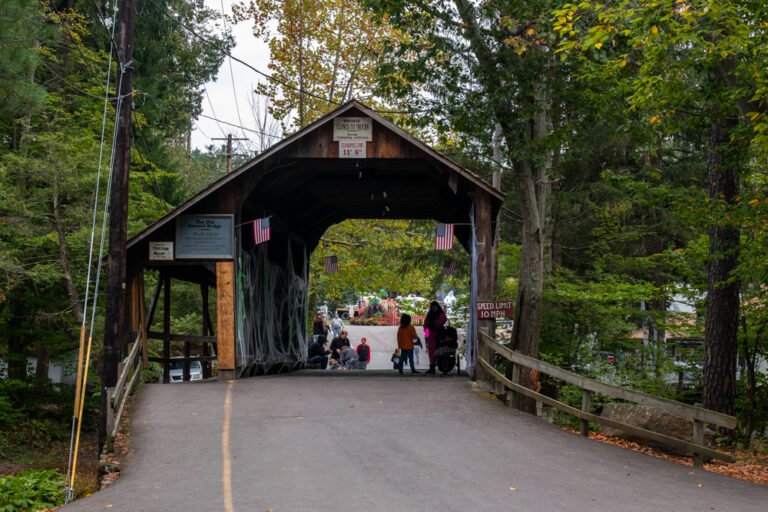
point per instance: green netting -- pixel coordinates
(271, 312)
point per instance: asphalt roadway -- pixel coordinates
(373, 441)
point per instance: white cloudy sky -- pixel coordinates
(223, 92)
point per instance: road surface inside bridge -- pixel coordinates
(373, 441)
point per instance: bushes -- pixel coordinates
(31, 490)
(36, 414)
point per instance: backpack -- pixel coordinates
(363, 352)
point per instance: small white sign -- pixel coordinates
(160, 251)
(351, 149)
(352, 128)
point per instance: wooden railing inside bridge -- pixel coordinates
(699, 415)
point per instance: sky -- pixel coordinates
(225, 94)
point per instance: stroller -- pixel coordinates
(445, 355)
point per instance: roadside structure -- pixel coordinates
(351, 163)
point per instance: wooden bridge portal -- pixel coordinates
(351, 163)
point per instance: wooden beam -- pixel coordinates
(485, 272)
(225, 318)
(155, 300)
(175, 359)
(205, 330)
(647, 434)
(166, 327)
(670, 406)
(142, 320)
(183, 338)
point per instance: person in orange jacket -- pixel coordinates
(406, 334)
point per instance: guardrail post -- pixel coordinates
(110, 418)
(484, 350)
(698, 438)
(513, 399)
(586, 405)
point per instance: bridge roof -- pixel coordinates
(304, 185)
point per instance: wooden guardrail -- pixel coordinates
(128, 371)
(699, 415)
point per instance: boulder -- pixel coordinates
(655, 420)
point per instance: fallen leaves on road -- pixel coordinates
(749, 466)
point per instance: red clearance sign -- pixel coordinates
(498, 309)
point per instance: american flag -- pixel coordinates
(444, 236)
(261, 232)
(449, 267)
(331, 264)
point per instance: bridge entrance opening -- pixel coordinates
(250, 235)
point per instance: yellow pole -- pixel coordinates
(79, 371)
(80, 412)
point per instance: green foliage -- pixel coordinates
(391, 255)
(31, 490)
(37, 415)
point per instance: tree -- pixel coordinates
(322, 54)
(392, 255)
(694, 65)
(486, 68)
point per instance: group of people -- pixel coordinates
(320, 326)
(340, 355)
(409, 343)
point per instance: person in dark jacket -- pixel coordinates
(317, 353)
(434, 320)
(337, 343)
(319, 327)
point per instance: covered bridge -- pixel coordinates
(350, 164)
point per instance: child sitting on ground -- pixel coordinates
(349, 357)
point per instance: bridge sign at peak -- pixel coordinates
(352, 129)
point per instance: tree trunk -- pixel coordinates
(41, 372)
(17, 358)
(721, 327)
(533, 188)
(74, 300)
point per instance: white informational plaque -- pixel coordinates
(160, 251)
(352, 129)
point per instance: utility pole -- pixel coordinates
(229, 140)
(114, 318)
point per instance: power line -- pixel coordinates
(232, 76)
(262, 73)
(228, 54)
(258, 132)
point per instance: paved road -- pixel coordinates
(383, 341)
(372, 441)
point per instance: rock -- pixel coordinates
(655, 420)
(109, 467)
